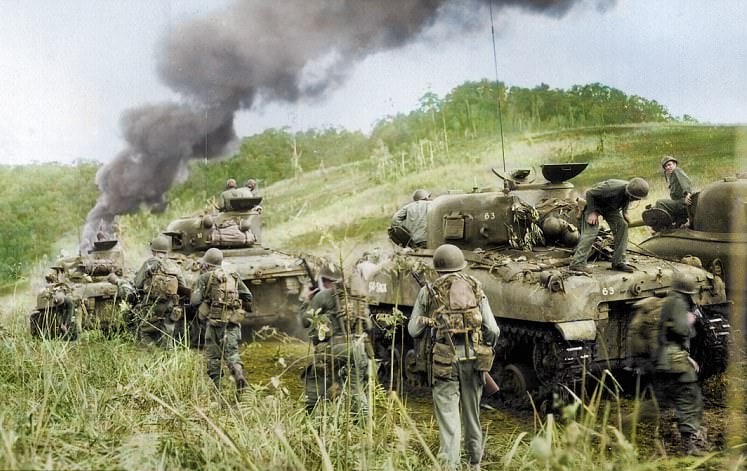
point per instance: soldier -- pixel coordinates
(680, 191)
(409, 223)
(252, 185)
(222, 298)
(57, 318)
(609, 199)
(677, 371)
(339, 339)
(457, 316)
(160, 282)
(232, 192)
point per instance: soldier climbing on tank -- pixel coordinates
(609, 199)
(672, 212)
(339, 337)
(455, 312)
(223, 300)
(160, 283)
(232, 192)
(57, 318)
(409, 223)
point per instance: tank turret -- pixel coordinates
(555, 323)
(275, 278)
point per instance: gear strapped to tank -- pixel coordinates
(223, 297)
(458, 322)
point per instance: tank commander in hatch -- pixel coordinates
(231, 192)
(410, 222)
(608, 199)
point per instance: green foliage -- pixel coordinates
(41, 202)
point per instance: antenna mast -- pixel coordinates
(497, 83)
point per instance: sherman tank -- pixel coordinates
(274, 278)
(716, 232)
(83, 292)
(556, 323)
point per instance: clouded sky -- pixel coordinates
(69, 69)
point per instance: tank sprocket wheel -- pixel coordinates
(546, 360)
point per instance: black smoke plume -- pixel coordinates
(254, 52)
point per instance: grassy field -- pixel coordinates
(109, 404)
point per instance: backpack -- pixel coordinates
(457, 311)
(643, 332)
(223, 294)
(164, 281)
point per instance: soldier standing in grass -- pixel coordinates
(677, 371)
(680, 191)
(456, 313)
(609, 199)
(339, 338)
(221, 297)
(409, 223)
(160, 282)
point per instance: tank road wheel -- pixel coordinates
(414, 378)
(516, 380)
(389, 370)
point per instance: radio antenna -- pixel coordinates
(497, 85)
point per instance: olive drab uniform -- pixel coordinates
(339, 360)
(409, 224)
(679, 185)
(159, 281)
(221, 297)
(678, 380)
(609, 199)
(459, 320)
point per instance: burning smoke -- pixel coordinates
(255, 52)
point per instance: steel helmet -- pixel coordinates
(420, 194)
(668, 158)
(213, 257)
(637, 188)
(684, 283)
(552, 227)
(330, 272)
(160, 244)
(251, 184)
(230, 183)
(448, 258)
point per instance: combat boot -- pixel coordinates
(241, 382)
(692, 445)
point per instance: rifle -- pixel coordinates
(431, 338)
(491, 387)
(309, 273)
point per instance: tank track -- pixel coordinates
(557, 365)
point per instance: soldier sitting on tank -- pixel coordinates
(409, 223)
(160, 283)
(56, 319)
(609, 199)
(232, 192)
(223, 300)
(252, 185)
(456, 313)
(677, 372)
(680, 198)
(339, 338)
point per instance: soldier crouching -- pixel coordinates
(340, 357)
(221, 297)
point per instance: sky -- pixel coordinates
(68, 70)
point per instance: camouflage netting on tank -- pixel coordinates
(524, 234)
